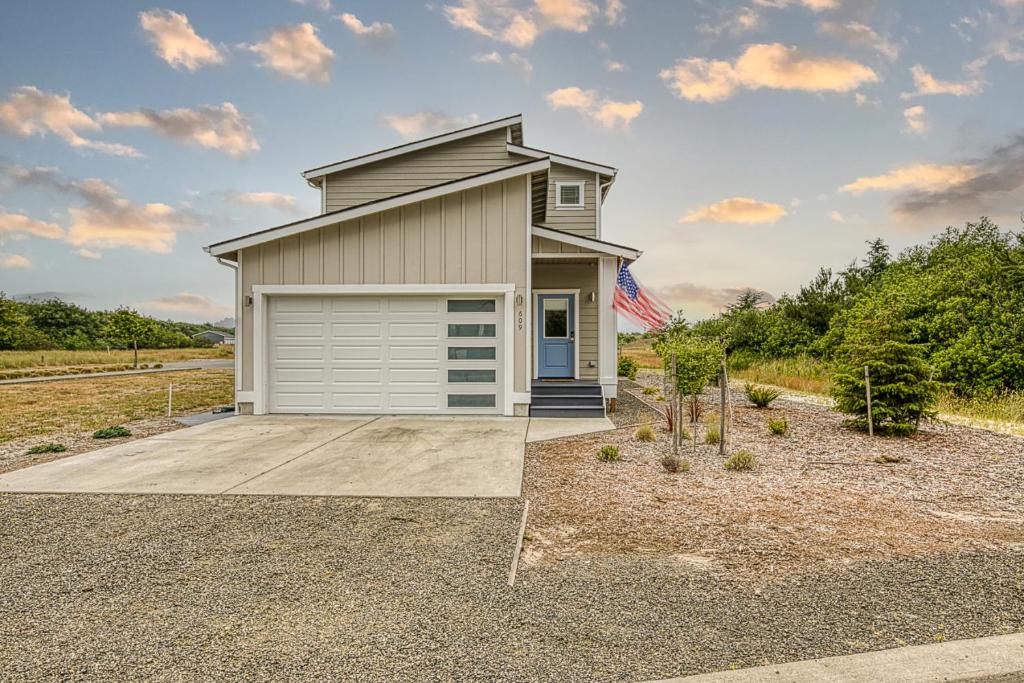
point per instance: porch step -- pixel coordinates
(566, 399)
(574, 400)
(565, 411)
(565, 388)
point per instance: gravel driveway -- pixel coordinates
(263, 588)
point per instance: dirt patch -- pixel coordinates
(819, 496)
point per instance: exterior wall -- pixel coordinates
(583, 276)
(544, 246)
(472, 237)
(578, 221)
(418, 170)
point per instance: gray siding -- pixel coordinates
(418, 170)
(582, 276)
(472, 237)
(578, 221)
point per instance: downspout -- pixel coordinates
(238, 325)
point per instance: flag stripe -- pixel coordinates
(637, 304)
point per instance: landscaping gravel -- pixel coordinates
(268, 588)
(630, 410)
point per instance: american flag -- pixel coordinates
(636, 304)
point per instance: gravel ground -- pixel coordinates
(260, 588)
(630, 410)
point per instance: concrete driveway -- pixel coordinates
(462, 457)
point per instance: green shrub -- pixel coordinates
(779, 427)
(713, 436)
(760, 396)
(111, 432)
(609, 454)
(741, 461)
(673, 463)
(902, 391)
(888, 459)
(648, 391)
(645, 433)
(47, 448)
(627, 367)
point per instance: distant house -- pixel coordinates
(215, 337)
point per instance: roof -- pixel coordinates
(591, 243)
(522, 150)
(220, 334)
(416, 145)
(270, 234)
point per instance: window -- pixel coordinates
(569, 195)
(556, 321)
(471, 400)
(471, 353)
(467, 330)
(476, 376)
(471, 306)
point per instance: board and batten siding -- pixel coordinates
(473, 237)
(582, 276)
(418, 170)
(577, 221)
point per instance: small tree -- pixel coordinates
(902, 389)
(128, 328)
(697, 362)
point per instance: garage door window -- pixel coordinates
(464, 330)
(471, 400)
(471, 306)
(472, 353)
(476, 376)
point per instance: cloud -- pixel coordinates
(30, 111)
(14, 261)
(519, 22)
(424, 123)
(186, 303)
(840, 218)
(515, 60)
(611, 66)
(570, 15)
(606, 112)
(18, 225)
(917, 121)
(488, 58)
(714, 298)
(614, 12)
(176, 42)
(926, 84)
(274, 200)
(296, 52)
(929, 177)
(324, 5)
(813, 5)
(380, 34)
(732, 22)
(736, 210)
(221, 128)
(856, 33)
(88, 254)
(774, 66)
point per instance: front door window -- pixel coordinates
(556, 318)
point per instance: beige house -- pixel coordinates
(463, 273)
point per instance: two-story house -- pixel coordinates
(462, 273)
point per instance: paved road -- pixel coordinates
(201, 364)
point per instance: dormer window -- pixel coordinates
(569, 194)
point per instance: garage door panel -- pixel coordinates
(425, 352)
(307, 400)
(423, 330)
(353, 376)
(356, 304)
(343, 352)
(413, 305)
(285, 375)
(303, 353)
(358, 330)
(295, 330)
(297, 304)
(414, 375)
(366, 401)
(404, 400)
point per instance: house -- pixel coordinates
(214, 337)
(462, 273)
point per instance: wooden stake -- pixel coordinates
(724, 381)
(170, 394)
(677, 407)
(867, 390)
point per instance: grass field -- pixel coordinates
(52, 359)
(41, 408)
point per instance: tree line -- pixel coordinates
(56, 324)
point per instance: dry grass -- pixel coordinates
(640, 350)
(803, 374)
(1003, 412)
(51, 359)
(41, 408)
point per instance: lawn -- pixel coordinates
(45, 408)
(10, 360)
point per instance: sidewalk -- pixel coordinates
(997, 658)
(200, 364)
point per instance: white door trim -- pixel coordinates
(575, 326)
(261, 329)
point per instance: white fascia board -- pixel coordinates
(328, 290)
(557, 159)
(376, 207)
(587, 243)
(412, 147)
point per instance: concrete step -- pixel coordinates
(567, 400)
(565, 411)
(567, 388)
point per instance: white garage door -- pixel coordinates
(385, 354)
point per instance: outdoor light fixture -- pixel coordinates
(592, 297)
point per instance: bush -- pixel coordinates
(111, 432)
(714, 435)
(779, 427)
(741, 461)
(760, 396)
(609, 454)
(645, 433)
(902, 391)
(627, 367)
(648, 391)
(674, 464)
(47, 448)
(888, 459)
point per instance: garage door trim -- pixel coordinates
(260, 331)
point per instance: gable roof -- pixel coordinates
(270, 234)
(590, 243)
(416, 145)
(522, 150)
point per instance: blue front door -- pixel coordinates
(556, 337)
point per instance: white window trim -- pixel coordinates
(581, 184)
(575, 327)
(260, 329)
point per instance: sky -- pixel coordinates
(756, 140)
